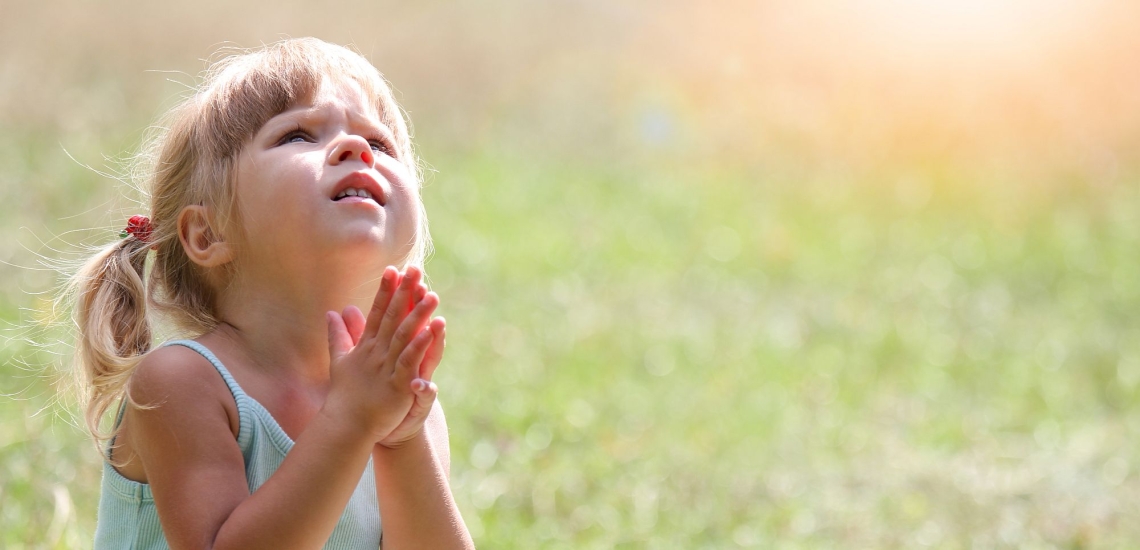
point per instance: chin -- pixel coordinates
(374, 248)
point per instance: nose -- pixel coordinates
(349, 147)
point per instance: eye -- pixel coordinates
(296, 135)
(382, 146)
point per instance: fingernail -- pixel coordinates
(419, 385)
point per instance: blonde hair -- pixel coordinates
(189, 160)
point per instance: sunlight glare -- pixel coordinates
(968, 29)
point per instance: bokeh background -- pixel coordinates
(783, 274)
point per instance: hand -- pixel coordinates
(425, 393)
(426, 390)
(378, 366)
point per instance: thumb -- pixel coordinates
(340, 342)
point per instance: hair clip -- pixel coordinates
(139, 226)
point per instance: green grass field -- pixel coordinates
(662, 333)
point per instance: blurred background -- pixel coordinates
(734, 274)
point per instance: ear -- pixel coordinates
(203, 245)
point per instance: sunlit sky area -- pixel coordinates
(869, 84)
(901, 81)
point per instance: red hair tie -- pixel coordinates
(139, 226)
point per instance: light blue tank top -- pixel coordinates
(128, 518)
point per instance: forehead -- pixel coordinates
(335, 96)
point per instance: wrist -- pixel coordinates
(419, 439)
(342, 426)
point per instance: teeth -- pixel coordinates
(354, 193)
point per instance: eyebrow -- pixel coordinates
(308, 112)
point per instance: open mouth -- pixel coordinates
(359, 186)
(353, 192)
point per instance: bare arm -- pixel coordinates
(412, 465)
(197, 474)
(416, 503)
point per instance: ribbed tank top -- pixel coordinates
(128, 518)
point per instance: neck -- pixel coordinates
(281, 328)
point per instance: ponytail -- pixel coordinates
(113, 332)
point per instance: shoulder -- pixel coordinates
(174, 380)
(182, 431)
(170, 370)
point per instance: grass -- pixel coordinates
(737, 363)
(662, 337)
(639, 361)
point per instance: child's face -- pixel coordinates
(289, 178)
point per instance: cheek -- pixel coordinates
(406, 195)
(276, 190)
(406, 220)
(410, 200)
(271, 222)
(262, 211)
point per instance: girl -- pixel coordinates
(278, 192)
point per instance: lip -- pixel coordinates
(362, 179)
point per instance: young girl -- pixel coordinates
(282, 194)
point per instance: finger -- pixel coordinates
(354, 322)
(412, 326)
(421, 291)
(425, 395)
(426, 392)
(398, 306)
(388, 281)
(435, 352)
(339, 340)
(408, 363)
